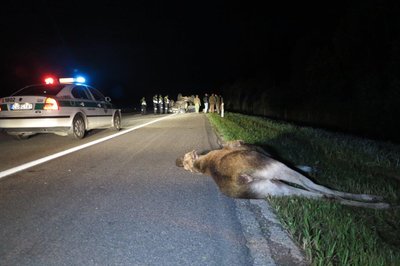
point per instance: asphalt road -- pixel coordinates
(124, 202)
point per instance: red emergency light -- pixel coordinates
(49, 80)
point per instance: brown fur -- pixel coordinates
(246, 171)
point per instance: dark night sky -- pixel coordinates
(154, 46)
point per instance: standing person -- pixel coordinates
(171, 104)
(222, 106)
(218, 103)
(160, 104)
(186, 106)
(205, 101)
(155, 103)
(166, 104)
(197, 103)
(212, 103)
(144, 106)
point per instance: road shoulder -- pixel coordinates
(267, 240)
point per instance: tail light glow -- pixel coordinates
(50, 104)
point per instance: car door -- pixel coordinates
(103, 108)
(84, 100)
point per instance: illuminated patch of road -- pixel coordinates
(62, 153)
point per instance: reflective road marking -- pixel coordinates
(62, 153)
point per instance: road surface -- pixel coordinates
(124, 202)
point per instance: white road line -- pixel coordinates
(62, 153)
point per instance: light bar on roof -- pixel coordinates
(79, 79)
(67, 80)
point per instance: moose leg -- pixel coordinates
(308, 184)
(266, 188)
(280, 171)
(371, 205)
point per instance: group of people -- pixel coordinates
(213, 103)
(161, 105)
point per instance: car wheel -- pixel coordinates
(117, 121)
(78, 129)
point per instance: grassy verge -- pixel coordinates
(330, 233)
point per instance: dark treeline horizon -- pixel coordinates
(346, 78)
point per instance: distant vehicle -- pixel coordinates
(66, 106)
(183, 105)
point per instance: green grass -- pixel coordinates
(330, 233)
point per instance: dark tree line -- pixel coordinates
(344, 77)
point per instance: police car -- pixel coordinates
(66, 106)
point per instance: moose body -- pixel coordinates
(246, 171)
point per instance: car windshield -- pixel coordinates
(39, 90)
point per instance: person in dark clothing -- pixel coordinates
(217, 103)
(160, 104)
(212, 101)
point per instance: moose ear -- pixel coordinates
(234, 144)
(240, 142)
(194, 154)
(244, 179)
